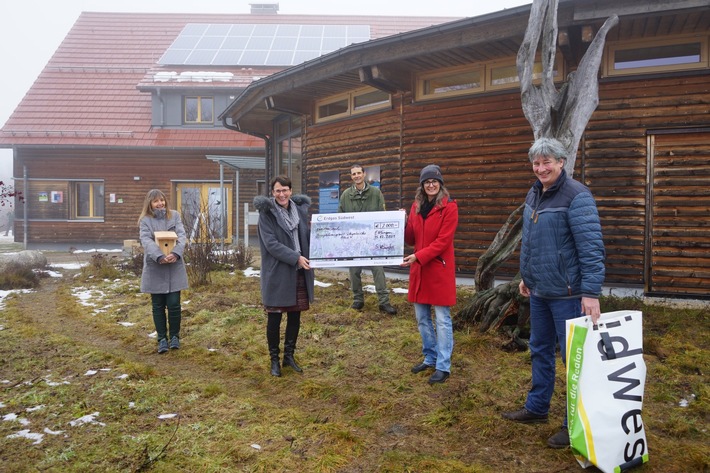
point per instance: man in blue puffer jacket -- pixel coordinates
(562, 269)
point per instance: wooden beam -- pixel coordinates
(291, 106)
(388, 81)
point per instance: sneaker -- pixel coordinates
(438, 377)
(162, 345)
(524, 416)
(174, 343)
(357, 305)
(421, 367)
(560, 439)
(388, 309)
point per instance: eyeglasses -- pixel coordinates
(430, 182)
(281, 191)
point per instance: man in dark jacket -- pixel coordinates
(562, 268)
(362, 197)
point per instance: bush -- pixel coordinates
(18, 276)
(237, 257)
(199, 261)
(134, 263)
(101, 267)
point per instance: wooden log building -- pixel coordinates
(448, 94)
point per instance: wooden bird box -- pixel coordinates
(166, 241)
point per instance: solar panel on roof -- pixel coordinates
(258, 44)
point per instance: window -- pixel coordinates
(504, 75)
(370, 100)
(476, 78)
(657, 56)
(199, 110)
(450, 82)
(358, 101)
(337, 108)
(288, 159)
(88, 200)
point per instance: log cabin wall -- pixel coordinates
(618, 167)
(481, 143)
(117, 169)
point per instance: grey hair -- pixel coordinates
(549, 147)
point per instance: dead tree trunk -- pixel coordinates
(556, 113)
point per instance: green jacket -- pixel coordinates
(369, 200)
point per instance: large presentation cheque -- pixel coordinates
(357, 239)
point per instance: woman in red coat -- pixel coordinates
(430, 228)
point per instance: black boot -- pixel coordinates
(275, 365)
(273, 335)
(293, 324)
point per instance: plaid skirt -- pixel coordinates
(301, 297)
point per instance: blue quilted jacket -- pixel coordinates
(562, 252)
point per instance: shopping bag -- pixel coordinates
(606, 375)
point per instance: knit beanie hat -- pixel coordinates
(431, 171)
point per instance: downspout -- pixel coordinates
(162, 107)
(401, 148)
(25, 221)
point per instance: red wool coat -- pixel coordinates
(432, 278)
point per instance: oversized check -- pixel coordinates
(357, 239)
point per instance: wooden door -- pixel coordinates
(678, 216)
(206, 214)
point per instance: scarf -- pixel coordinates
(426, 207)
(160, 213)
(288, 220)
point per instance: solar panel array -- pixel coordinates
(259, 44)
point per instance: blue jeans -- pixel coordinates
(436, 345)
(547, 328)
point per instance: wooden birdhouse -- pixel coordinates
(166, 241)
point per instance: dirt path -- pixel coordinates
(40, 306)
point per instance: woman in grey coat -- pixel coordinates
(286, 275)
(164, 276)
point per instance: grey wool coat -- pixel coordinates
(278, 258)
(162, 278)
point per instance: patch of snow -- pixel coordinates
(252, 273)
(192, 76)
(54, 383)
(28, 435)
(100, 250)
(14, 417)
(52, 432)
(87, 419)
(126, 324)
(167, 416)
(322, 284)
(68, 265)
(5, 294)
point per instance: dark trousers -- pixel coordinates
(160, 302)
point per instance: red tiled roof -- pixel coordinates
(89, 94)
